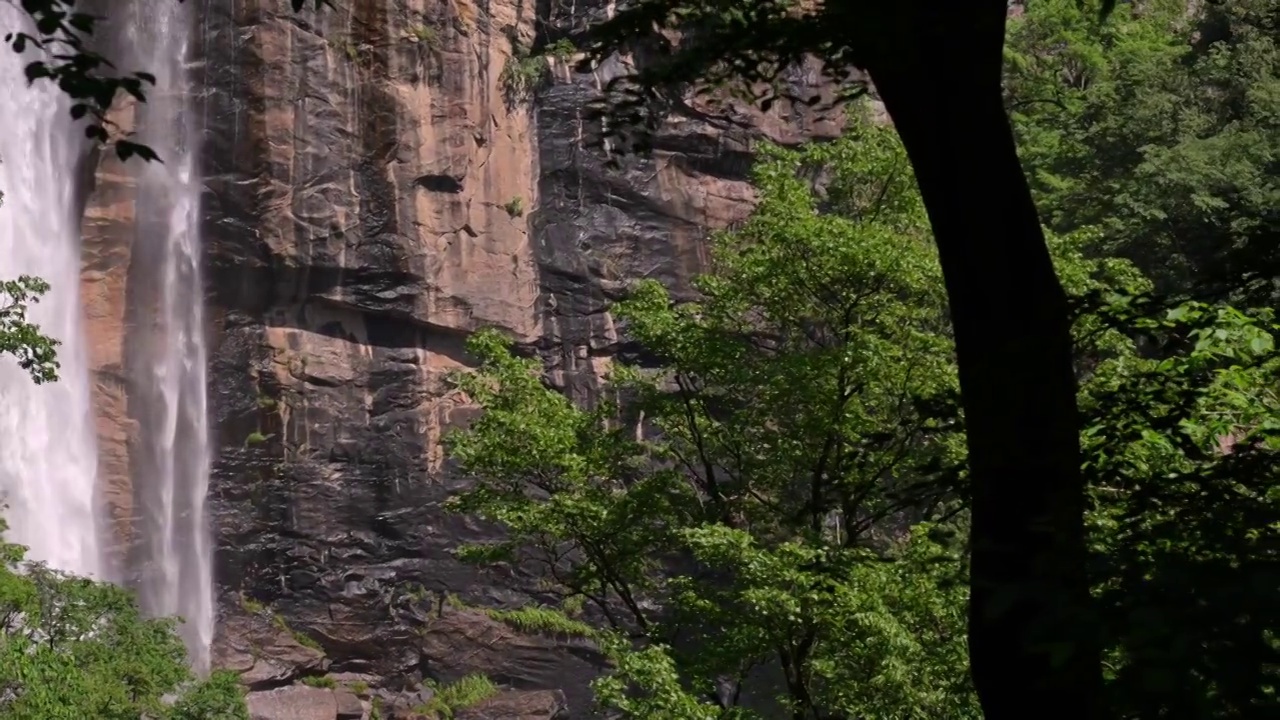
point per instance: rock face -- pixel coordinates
(375, 191)
(301, 702)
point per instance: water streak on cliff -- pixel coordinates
(167, 350)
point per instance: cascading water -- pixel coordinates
(48, 457)
(48, 447)
(172, 559)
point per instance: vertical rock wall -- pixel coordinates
(374, 192)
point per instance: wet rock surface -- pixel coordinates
(518, 705)
(300, 702)
(263, 650)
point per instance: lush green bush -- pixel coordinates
(72, 648)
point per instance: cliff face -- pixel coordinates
(374, 192)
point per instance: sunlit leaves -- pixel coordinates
(1182, 451)
(21, 339)
(72, 648)
(803, 412)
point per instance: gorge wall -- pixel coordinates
(373, 193)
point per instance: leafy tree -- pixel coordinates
(1161, 129)
(73, 648)
(937, 66)
(35, 352)
(775, 504)
(1182, 450)
(22, 339)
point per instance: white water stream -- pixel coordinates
(172, 474)
(48, 448)
(48, 455)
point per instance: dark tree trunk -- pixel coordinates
(1031, 643)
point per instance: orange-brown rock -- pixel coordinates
(107, 242)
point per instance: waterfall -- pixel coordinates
(48, 456)
(48, 446)
(172, 560)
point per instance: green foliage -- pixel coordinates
(35, 352)
(1156, 135)
(562, 49)
(256, 438)
(252, 606)
(423, 34)
(1182, 452)
(460, 695)
(514, 207)
(299, 637)
(544, 621)
(781, 489)
(73, 648)
(320, 681)
(1161, 129)
(523, 73)
(806, 414)
(220, 697)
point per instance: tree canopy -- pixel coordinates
(1159, 128)
(937, 66)
(767, 517)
